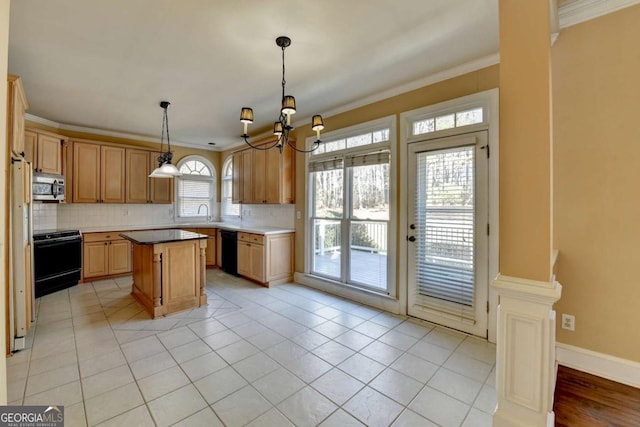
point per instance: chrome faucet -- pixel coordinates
(206, 206)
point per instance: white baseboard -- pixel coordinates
(603, 365)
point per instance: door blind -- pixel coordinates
(445, 229)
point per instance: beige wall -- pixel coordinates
(596, 78)
(477, 81)
(525, 140)
(178, 151)
(4, 47)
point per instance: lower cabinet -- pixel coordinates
(105, 254)
(211, 251)
(267, 259)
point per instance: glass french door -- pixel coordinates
(447, 236)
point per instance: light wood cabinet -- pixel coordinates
(264, 176)
(44, 151)
(98, 173)
(246, 184)
(86, 173)
(16, 107)
(112, 174)
(236, 195)
(266, 259)
(211, 245)
(137, 176)
(218, 248)
(105, 254)
(160, 189)
(211, 257)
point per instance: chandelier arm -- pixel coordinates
(316, 144)
(246, 140)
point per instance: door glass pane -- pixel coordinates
(326, 245)
(445, 200)
(368, 253)
(328, 194)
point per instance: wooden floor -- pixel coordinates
(582, 399)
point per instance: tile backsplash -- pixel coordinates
(88, 215)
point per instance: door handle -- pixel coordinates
(412, 226)
(411, 238)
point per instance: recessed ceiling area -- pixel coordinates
(106, 64)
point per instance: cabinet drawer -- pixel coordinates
(101, 237)
(251, 238)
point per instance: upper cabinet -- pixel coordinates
(98, 173)
(264, 176)
(110, 173)
(139, 187)
(16, 107)
(44, 150)
(160, 189)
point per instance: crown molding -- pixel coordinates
(576, 11)
(114, 134)
(456, 71)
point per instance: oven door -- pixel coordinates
(53, 258)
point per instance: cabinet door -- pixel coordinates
(86, 173)
(260, 159)
(236, 196)
(244, 262)
(30, 148)
(17, 104)
(112, 165)
(218, 248)
(137, 176)
(211, 251)
(95, 260)
(279, 256)
(119, 257)
(247, 175)
(256, 260)
(272, 175)
(160, 189)
(49, 157)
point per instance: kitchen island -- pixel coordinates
(169, 270)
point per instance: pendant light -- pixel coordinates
(283, 126)
(165, 169)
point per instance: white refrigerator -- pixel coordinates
(21, 291)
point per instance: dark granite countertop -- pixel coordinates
(152, 237)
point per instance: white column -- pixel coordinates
(525, 365)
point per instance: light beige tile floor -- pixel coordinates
(288, 355)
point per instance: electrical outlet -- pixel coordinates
(298, 214)
(569, 322)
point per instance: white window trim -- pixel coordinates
(223, 179)
(176, 205)
(391, 145)
(489, 100)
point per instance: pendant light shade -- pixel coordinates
(165, 169)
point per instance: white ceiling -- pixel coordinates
(106, 64)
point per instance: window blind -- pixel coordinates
(326, 165)
(192, 193)
(445, 230)
(368, 159)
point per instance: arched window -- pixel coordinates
(195, 189)
(229, 209)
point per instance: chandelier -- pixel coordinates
(165, 169)
(282, 127)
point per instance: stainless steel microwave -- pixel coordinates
(46, 187)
